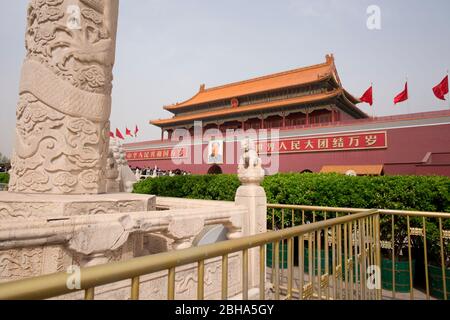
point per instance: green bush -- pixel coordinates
(4, 178)
(207, 187)
(387, 192)
(394, 192)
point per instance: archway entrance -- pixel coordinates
(215, 169)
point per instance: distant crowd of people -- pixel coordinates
(4, 169)
(144, 173)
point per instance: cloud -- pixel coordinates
(315, 9)
(324, 8)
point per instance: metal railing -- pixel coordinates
(55, 285)
(332, 264)
(420, 234)
(408, 230)
(310, 253)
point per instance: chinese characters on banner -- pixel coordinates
(343, 142)
(157, 154)
(360, 141)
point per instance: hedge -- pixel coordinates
(4, 178)
(208, 187)
(387, 192)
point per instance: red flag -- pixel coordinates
(441, 89)
(136, 130)
(119, 134)
(368, 96)
(402, 96)
(128, 132)
(111, 135)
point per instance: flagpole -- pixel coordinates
(409, 104)
(448, 94)
(373, 107)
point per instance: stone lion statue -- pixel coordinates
(250, 156)
(120, 177)
(250, 169)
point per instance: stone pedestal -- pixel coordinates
(255, 222)
(25, 254)
(252, 196)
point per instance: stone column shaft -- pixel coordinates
(62, 131)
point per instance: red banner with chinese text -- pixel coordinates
(344, 142)
(157, 154)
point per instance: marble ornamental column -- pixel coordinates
(62, 131)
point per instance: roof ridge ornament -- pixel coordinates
(235, 102)
(334, 73)
(329, 58)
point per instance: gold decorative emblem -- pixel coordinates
(324, 282)
(349, 264)
(386, 245)
(308, 291)
(330, 241)
(446, 234)
(416, 232)
(338, 273)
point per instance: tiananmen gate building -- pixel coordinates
(320, 129)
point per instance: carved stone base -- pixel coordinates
(26, 262)
(23, 254)
(154, 286)
(26, 206)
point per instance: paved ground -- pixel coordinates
(418, 295)
(386, 295)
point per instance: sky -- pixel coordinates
(167, 48)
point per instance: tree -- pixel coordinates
(3, 159)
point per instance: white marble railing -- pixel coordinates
(180, 203)
(93, 235)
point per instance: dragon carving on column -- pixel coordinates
(62, 131)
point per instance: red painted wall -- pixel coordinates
(345, 116)
(407, 147)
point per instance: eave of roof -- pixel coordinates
(296, 77)
(250, 108)
(351, 107)
(351, 98)
(375, 170)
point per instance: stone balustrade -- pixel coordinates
(53, 242)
